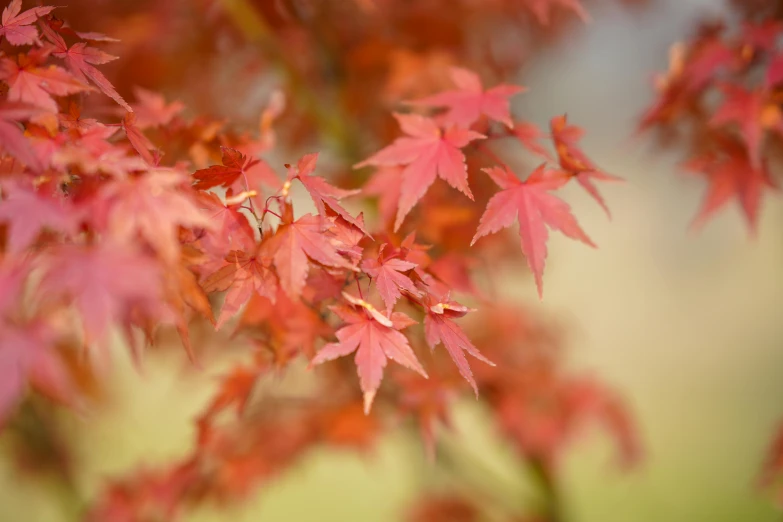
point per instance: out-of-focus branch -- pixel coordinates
(551, 506)
(332, 124)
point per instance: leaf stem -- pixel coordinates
(331, 122)
(552, 505)
(490, 154)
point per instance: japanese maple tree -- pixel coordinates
(312, 230)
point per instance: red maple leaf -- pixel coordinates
(151, 109)
(17, 27)
(12, 136)
(730, 174)
(529, 135)
(429, 400)
(138, 140)
(470, 101)
(27, 356)
(454, 269)
(322, 193)
(388, 276)
(575, 162)
(229, 230)
(297, 241)
(427, 152)
(152, 206)
(535, 209)
(292, 325)
(235, 390)
(753, 111)
(243, 275)
(439, 327)
(235, 166)
(375, 338)
(105, 284)
(89, 152)
(80, 58)
(30, 82)
(28, 212)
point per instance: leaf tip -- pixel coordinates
(369, 397)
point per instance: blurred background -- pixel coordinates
(687, 326)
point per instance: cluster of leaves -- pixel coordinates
(721, 100)
(118, 218)
(341, 81)
(721, 96)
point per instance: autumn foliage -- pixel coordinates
(343, 229)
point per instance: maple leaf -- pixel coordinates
(229, 230)
(89, 152)
(235, 390)
(151, 109)
(529, 136)
(184, 292)
(73, 118)
(439, 327)
(535, 209)
(79, 58)
(12, 137)
(28, 212)
(347, 238)
(292, 325)
(753, 111)
(575, 162)
(375, 338)
(138, 140)
(388, 277)
(470, 101)
(454, 269)
(428, 400)
(243, 275)
(30, 83)
(297, 241)
(105, 284)
(347, 426)
(427, 152)
(235, 166)
(17, 27)
(152, 206)
(542, 416)
(322, 193)
(27, 356)
(730, 174)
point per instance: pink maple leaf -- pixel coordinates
(427, 152)
(470, 101)
(17, 26)
(535, 208)
(375, 338)
(28, 212)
